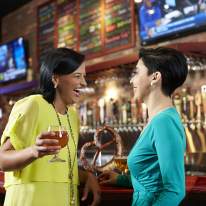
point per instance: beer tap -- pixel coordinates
(198, 102)
(191, 111)
(203, 92)
(179, 105)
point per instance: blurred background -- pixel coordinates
(109, 33)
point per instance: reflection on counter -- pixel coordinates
(121, 196)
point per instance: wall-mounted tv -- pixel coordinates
(13, 62)
(162, 19)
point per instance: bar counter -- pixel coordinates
(195, 188)
(195, 193)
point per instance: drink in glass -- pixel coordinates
(59, 133)
(121, 163)
(61, 136)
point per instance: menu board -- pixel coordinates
(46, 22)
(118, 23)
(90, 29)
(66, 23)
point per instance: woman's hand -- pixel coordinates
(108, 177)
(45, 145)
(93, 186)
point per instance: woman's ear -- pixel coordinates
(156, 77)
(55, 80)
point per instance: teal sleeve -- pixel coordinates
(124, 181)
(169, 142)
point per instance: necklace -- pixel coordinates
(70, 165)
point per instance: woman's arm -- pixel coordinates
(83, 175)
(113, 178)
(124, 181)
(92, 185)
(170, 146)
(11, 159)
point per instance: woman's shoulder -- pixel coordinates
(30, 102)
(167, 116)
(32, 99)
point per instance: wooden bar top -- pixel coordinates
(193, 184)
(195, 188)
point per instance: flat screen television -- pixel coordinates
(160, 20)
(13, 61)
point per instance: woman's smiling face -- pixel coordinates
(69, 85)
(140, 81)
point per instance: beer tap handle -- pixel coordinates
(203, 91)
(178, 104)
(198, 101)
(191, 111)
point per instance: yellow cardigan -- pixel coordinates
(30, 117)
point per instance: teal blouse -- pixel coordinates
(156, 162)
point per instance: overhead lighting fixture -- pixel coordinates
(166, 6)
(151, 11)
(137, 1)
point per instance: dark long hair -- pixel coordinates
(60, 61)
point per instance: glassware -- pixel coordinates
(61, 135)
(121, 164)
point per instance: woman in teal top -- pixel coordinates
(156, 161)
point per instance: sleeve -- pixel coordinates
(22, 124)
(170, 147)
(124, 181)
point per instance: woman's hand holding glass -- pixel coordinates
(50, 143)
(44, 146)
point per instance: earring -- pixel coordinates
(151, 84)
(55, 85)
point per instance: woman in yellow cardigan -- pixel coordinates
(30, 179)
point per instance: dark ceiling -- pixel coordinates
(7, 6)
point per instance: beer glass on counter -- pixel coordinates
(121, 164)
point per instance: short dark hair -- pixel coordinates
(60, 61)
(171, 63)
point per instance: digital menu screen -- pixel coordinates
(46, 26)
(90, 29)
(118, 20)
(67, 24)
